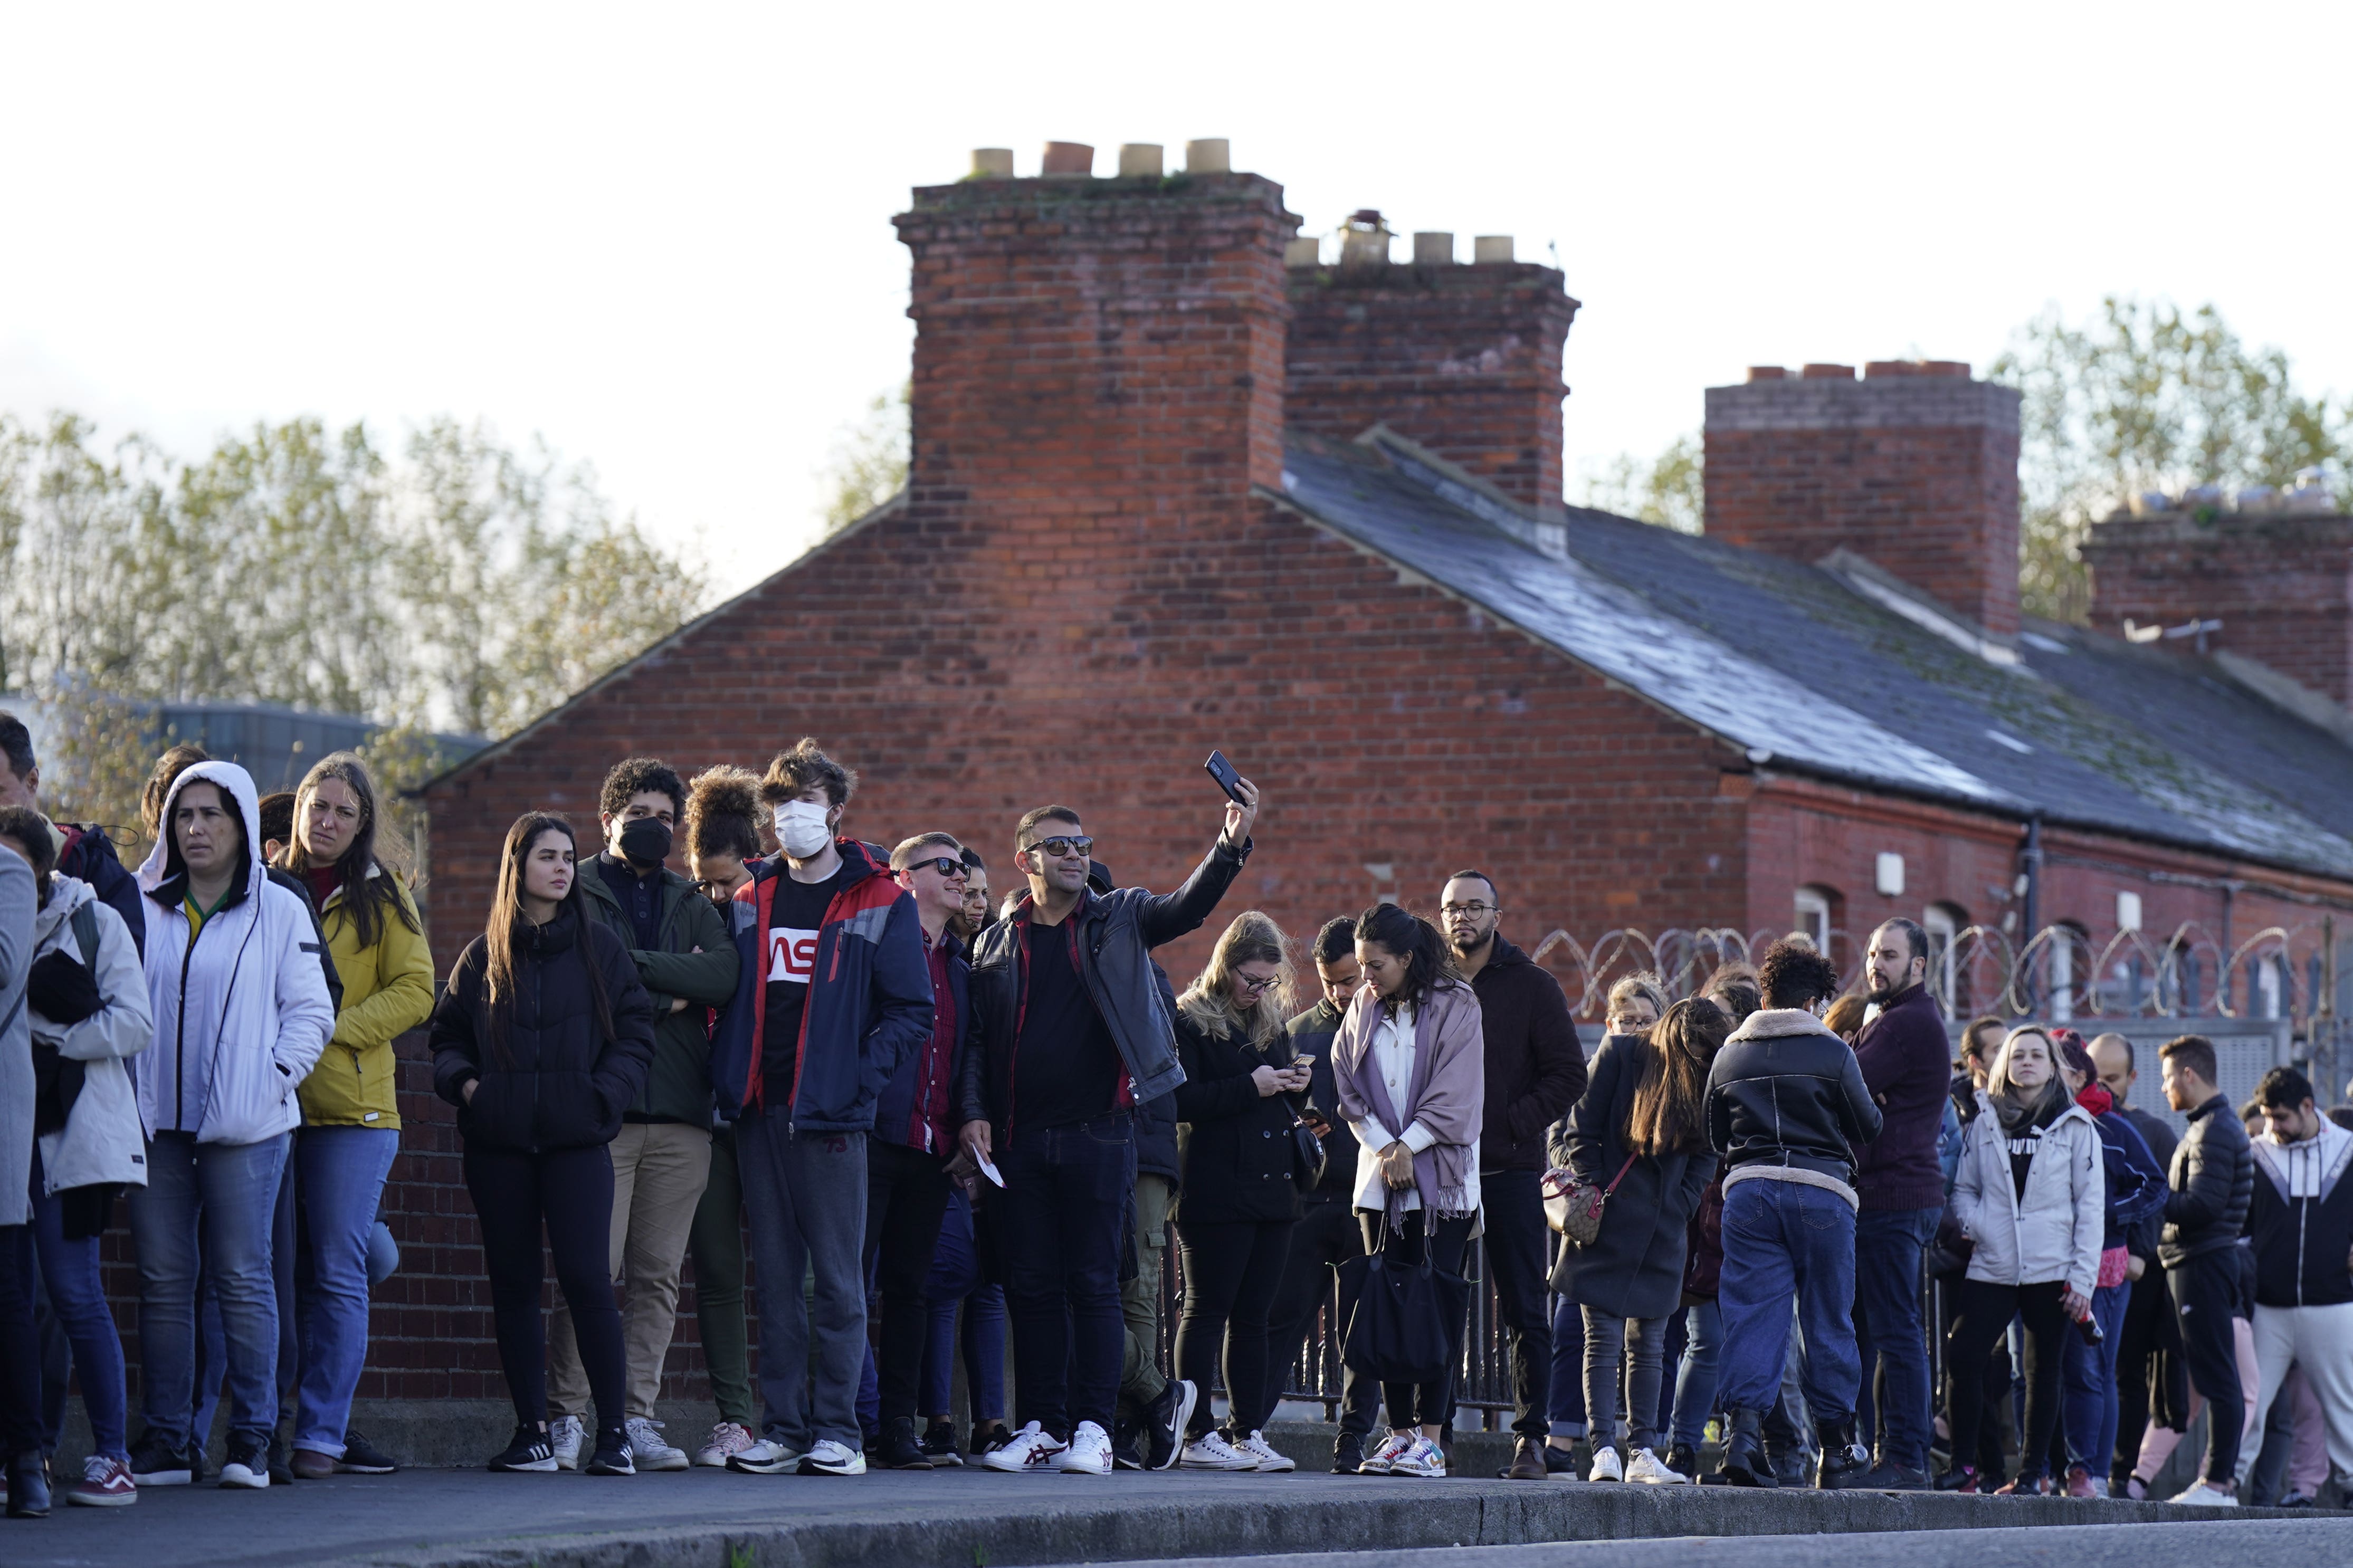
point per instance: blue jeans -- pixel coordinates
(1063, 1221)
(1887, 1328)
(2088, 1381)
(341, 1172)
(235, 1186)
(1695, 1377)
(69, 1270)
(956, 1277)
(1783, 1237)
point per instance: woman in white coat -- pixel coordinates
(2031, 1197)
(87, 997)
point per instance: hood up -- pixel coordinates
(162, 862)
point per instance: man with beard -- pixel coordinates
(1902, 1052)
(1536, 1070)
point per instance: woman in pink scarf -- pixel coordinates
(1409, 1065)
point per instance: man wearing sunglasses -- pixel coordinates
(1071, 1031)
(1536, 1070)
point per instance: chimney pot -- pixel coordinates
(1767, 373)
(1139, 161)
(992, 162)
(1364, 239)
(1068, 158)
(1431, 249)
(1828, 372)
(1492, 247)
(1208, 156)
(1304, 251)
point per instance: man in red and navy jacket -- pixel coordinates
(835, 996)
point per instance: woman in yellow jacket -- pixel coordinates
(350, 1123)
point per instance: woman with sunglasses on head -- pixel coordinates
(541, 1040)
(1240, 1194)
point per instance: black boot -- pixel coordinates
(1845, 1463)
(29, 1486)
(1745, 1464)
(898, 1448)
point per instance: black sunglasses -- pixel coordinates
(1058, 847)
(946, 865)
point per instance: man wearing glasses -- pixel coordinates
(907, 1158)
(1071, 1031)
(1536, 1070)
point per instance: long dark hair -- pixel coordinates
(1666, 1116)
(1428, 964)
(509, 930)
(366, 899)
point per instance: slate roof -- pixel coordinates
(1833, 670)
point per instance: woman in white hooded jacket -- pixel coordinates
(87, 998)
(2031, 1195)
(241, 1013)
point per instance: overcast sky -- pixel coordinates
(659, 236)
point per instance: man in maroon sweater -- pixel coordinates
(1906, 1061)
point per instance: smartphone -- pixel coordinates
(1227, 779)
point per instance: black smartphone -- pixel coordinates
(1227, 779)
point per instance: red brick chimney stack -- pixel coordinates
(1914, 467)
(1463, 359)
(1095, 349)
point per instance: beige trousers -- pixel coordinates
(659, 1169)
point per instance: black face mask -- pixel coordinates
(646, 840)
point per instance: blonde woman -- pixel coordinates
(1240, 1192)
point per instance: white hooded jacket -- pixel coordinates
(2055, 1231)
(241, 1011)
(102, 1140)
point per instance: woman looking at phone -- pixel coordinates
(1239, 1194)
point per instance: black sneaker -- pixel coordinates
(1127, 1446)
(1347, 1454)
(248, 1466)
(987, 1439)
(529, 1449)
(1164, 1424)
(612, 1457)
(940, 1446)
(1890, 1477)
(280, 1471)
(898, 1448)
(1684, 1459)
(362, 1457)
(155, 1463)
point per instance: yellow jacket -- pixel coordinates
(387, 991)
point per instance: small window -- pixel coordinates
(2065, 938)
(1813, 917)
(1944, 923)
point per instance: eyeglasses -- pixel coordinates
(946, 865)
(1245, 983)
(1059, 847)
(1475, 911)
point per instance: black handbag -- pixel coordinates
(1407, 1316)
(1307, 1155)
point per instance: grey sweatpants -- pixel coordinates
(805, 1197)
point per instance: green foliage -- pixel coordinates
(1667, 489)
(869, 465)
(2145, 397)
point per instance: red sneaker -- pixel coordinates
(105, 1483)
(2079, 1482)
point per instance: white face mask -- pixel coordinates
(802, 829)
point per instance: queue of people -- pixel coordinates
(920, 1123)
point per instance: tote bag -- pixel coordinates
(1407, 1316)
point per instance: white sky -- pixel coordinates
(659, 236)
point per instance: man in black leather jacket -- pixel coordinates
(1787, 1105)
(2213, 1182)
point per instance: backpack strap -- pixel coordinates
(85, 930)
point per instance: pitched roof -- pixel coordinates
(1838, 670)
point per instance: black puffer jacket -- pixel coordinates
(1235, 1141)
(1785, 1091)
(2213, 1182)
(558, 1084)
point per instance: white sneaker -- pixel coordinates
(766, 1458)
(1032, 1453)
(832, 1458)
(1606, 1466)
(1381, 1460)
(2204, 1495)
(1210, 1451)
(1421, 1458)
(726, 1439)
(1268, 1461)
(563, 1435)
(1648, 1467)
(647, 1448)
(1088, 1453)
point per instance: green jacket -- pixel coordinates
(696, 961)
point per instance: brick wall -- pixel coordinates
(1463, 360)
(2281, 585)
(1914, 468)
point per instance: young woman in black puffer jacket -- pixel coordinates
(541, 1040)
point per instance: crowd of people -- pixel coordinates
(923, 1121)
